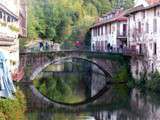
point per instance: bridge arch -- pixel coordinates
(62, 104)
(41, 68)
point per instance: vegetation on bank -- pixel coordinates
(67, 20)
(13, 109)
(152, 82)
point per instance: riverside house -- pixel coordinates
(109, 31)
(144, 37)
(12, 26)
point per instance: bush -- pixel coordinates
(13, 109)
(122, 75)
(2, 116)
(154, 82)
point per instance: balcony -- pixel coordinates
(132, 52)
(8, 33)
(122, 35)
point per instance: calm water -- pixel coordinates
(80, 80)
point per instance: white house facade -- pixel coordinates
(109, 30)
(11, 20)
(144, 37)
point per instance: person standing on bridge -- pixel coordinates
(41, 46)
(47, 46)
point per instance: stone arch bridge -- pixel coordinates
(34, 62)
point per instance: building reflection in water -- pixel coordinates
(141, 107)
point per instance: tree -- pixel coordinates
(59, 20)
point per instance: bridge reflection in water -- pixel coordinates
(118, 103)
(135, 105)
(74, 76)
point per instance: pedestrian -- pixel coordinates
(41, 46)
(47, 45)
(111, 48)
(108, 47)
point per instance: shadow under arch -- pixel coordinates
(86, 101)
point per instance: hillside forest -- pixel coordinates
(67, 21)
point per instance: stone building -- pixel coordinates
(12, 25)
(109, 30)
(144, 37)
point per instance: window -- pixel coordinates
(106, 29)
(143, 14)
(118, 28)
(154, 11)
(110, 28)
(140, 48)
(137, 68)
(155, 49)
(106, 45)
(139, 27)
(8, 19)
(98, 31)
(95, 31)
(155, 25)
(152, 68)
(92, 32)
(124, 29)
(134, 17)
(4, 17)
(147, 27)
(96, 45)
(0, 14)
(102, 46)
(102, 30)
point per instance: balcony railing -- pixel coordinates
(125, 51)
(123, 35)
(131, 52)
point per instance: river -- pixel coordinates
(76, 81)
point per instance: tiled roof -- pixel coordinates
(141, 8)
(152, 1)
(119, 17)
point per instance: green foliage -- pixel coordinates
(13, 109)
(150, 82)
(154, 82)
(14, 28)
(70, 20)
(3, 23)
(122, 3)
(122, 75)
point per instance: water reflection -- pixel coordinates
(70, 81)
(80, 80)
(60, 116)
(140, 106)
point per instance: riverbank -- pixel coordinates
(150, 83)
(13, 109)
